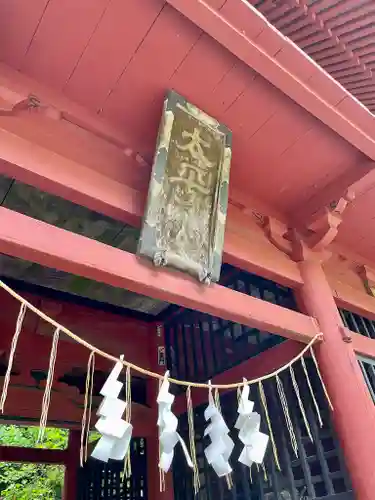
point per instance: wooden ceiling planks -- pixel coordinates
(315, 155)
(18, 22)
(257, 104)
(201, 72)
(141, 89)
(62, 35)
(356, 233)
(230, 88)
(115, 42)
(288, 124)
(322, 157)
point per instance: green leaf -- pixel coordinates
(31, 481)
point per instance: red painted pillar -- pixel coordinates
(153, 481)
(72, 465)
(354, 412)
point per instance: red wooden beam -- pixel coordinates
(32, 455)
(36, 335)
(363, 345)
(72, 465)
(352, 299)
(39, 242)
(55, 173)
(112, 192)
(23, 407)
(265, 363)
(237, 26)
(16, 87)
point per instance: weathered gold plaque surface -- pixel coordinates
(187, 201)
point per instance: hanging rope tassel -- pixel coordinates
(317, 409)
(284, 405)
(86, 417)
(265, 475)
(128, 417)
(321, 378)
(21, 316)
(265, 407)
(300, 404)
(155, 375)
(193, 453)
(48, 388)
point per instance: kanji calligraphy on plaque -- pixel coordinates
(187, 202)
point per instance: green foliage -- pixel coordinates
(31, 481)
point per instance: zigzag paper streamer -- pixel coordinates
(248, 424)
(221, 447)
(168, 423)
(116, 432)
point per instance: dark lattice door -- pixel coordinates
(318, 473)
(100, 481)
(342, 496)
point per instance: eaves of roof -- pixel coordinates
(338, 35)
(244, 31)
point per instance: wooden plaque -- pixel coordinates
(187, 201)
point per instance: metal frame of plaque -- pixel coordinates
(184, 221)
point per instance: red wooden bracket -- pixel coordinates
(316, 237)
(346, 334)
(368, 277)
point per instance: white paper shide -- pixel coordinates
(168, 423)
(248, 423)
(116, 432)
(221, 447)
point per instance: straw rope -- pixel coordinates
(316, 406)
(284, 405)
(193, 453)
(47, 391)
(152, 374)
(263, 400)
(321, 378)
(21, 316)
(86, 417)
(300, 403)
(25, 305)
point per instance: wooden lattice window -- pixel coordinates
(200, 346)
(358, 324)
(317, 473)
(99, 481)
(363, 326)
(368, 369)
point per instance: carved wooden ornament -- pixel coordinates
(187, 202)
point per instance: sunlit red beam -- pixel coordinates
(47, 245)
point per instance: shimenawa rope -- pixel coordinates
(150, 373)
